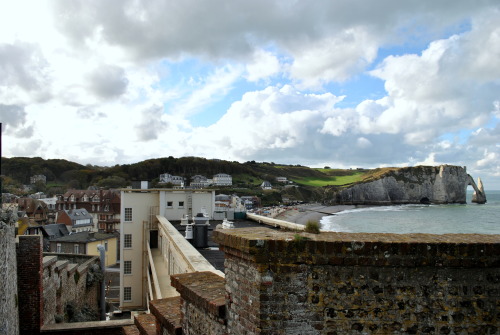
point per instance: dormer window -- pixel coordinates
(72, 198)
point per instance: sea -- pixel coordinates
(467, 218)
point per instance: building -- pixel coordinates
(281, 179)
(266, 185)
(38, 178)
(85, 243)
(199, 181)
(77, 220)
(222, 179)
(139, 232)
(35, 210)
(102, 205)
(167, 178)
(250, 201)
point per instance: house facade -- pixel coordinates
(76, 220)
(35, 210)
(139, 230)
(86, 243)
(199, 181)
(222, 179)
(167, 178)
(38, 178)
(103, 206)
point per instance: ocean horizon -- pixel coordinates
(467, 218)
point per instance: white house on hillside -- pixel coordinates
(222, 179)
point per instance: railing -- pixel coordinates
(274, 222)
(156, 284)
(179, 253)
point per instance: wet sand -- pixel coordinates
(310, 212)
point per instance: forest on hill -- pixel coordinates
(247, 177)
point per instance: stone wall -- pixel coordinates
(9, 318)
(48, 285)
(339, 283)
(203, 309)
(68, 295)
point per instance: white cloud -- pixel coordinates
(264, 64)
(110, 76)
(335, 58)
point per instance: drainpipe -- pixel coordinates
(102, 252)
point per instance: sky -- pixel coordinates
(344, 83)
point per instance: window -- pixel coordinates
(128, 214)
(127, 293)
(127, 243)
(127, 267)
(181, 204)
(58, 248)
(76, 248)
(170, 204)
(106, 245)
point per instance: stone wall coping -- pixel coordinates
(206, 290)
(72, 268)
(263, 245)
(168, 312)
(61, 264)
(80, 326)
(49, 260)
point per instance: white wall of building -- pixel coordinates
(141, 203)
(171, 204)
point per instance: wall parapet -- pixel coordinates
(203, 302)
(168, 315)
(291, 283)
(363, 249)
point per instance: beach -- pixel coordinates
(301, 214)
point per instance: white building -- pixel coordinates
(140, 213)
(199, 181)
(281, 179)
(222, 179)
(166, 178)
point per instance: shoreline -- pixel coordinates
(311, 212)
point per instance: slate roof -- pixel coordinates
(84, 237)
(56, 230)
(78, 214)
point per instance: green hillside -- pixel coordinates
(247, 177)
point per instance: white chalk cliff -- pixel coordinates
(443, 184)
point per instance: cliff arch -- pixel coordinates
(478, 197)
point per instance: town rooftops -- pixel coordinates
(56, 230)
(84, 236)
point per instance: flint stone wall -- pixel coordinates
(9, 320)
(65, 282)
(341, 283)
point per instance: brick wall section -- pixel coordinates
(130, 330)
(9, 316)
(146, 324)
(203, 308)
(338, 283)
(29, 283)
(168, 315)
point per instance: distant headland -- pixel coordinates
(444, 184)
